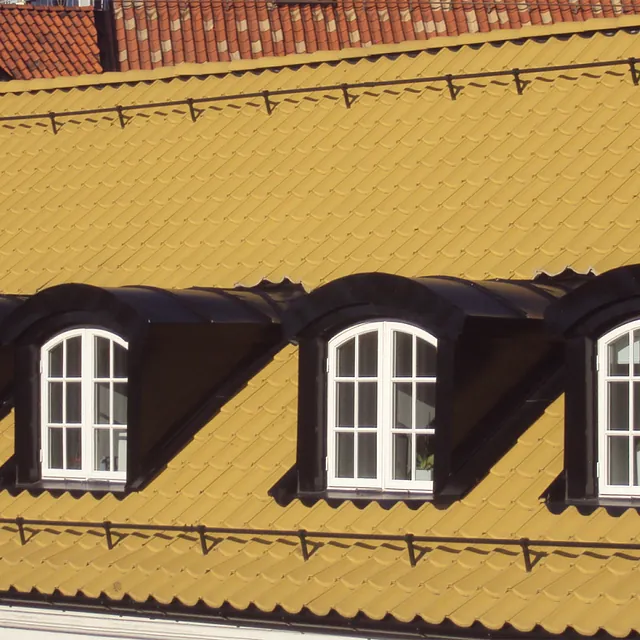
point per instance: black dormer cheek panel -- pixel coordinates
(580, 319)
(8, 304)
(189, 352)
(497, 365)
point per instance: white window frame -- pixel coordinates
(385, 378)
(87, 423)
(604, 488)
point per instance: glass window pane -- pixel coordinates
(402, 349)
(619, 405)
(74, 448)
(636, 461)
(424, 457)
(636, 406)
(119, 361)
(368, 354)
(102, 346)
(346, 356)
(425, 404)
(402, 405)
(55, 402)
(425, 358)
(619, 356)
(74, 412)
(55, 362)
(74, 357)
(55, 449)
(367, 455)
(119, 403)
(368, 404)
(344, 455)
(618, 460)
(102, 456)
(401, 457)
(345, 403)
(119, 450)
(102, 402)
(636, 353)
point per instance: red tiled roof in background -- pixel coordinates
(46, 42)
(156, 33)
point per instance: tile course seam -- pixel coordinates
(267, 95)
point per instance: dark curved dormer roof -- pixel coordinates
(190, 351)
(443, 303)
(599, 303)
(133, 307)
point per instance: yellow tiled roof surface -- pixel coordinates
(493, 184)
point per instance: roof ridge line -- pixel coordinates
(42, 8)
(189, 70)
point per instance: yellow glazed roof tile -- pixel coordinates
(405, 180)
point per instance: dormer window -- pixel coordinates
(381, 408)
(619, 411)
(83, 413)
(379, 352)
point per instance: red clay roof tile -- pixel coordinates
(45, 42)
(167, 32)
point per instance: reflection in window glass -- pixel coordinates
(119, 403)
(401, 457)
(367, 404)
(103, 359)
(74, 448)
(55, 449)
(367, 455)
(346, 359)
(636, 461)
(74, 403)
(619, 356)
(119, 449)
(55, 362)
(55, 402)
(102, 461)
(368, 354)
(119, 361)
(346, 404)
(425, 359)
(618, 460)
(403, 354)
(619, 406)
(424, 456)
(425, 404)
(345, 454)
(102, 403)
(402, 405)
(74, 357)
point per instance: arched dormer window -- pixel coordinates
(619, 411)
(381, 408)
(84, 406)
(379, 352)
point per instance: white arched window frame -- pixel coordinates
(381, 408)
(83, 416)
(619, 411)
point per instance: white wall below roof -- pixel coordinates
(31, 623)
